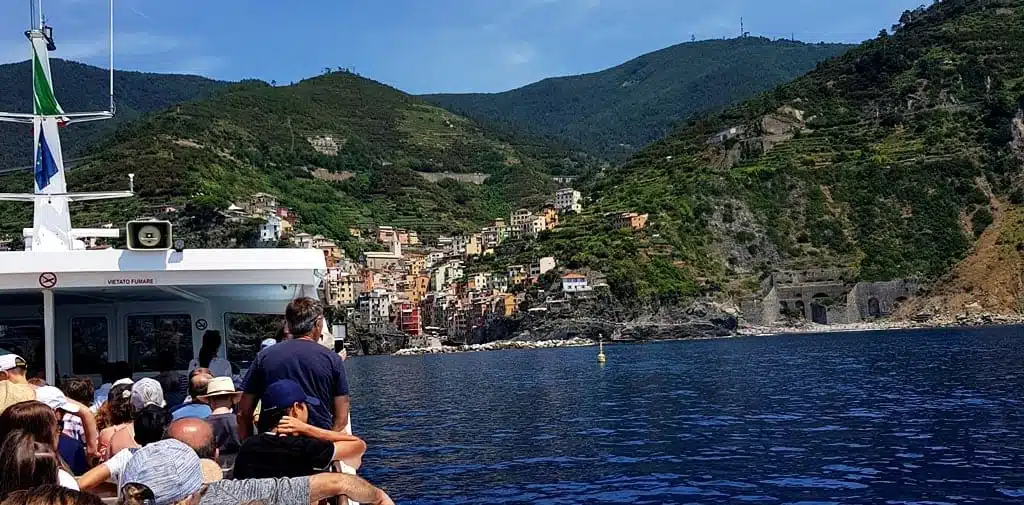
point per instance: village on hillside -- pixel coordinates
(424, 291)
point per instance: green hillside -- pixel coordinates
(254, 137)
(614, 112)
(82, 88)
(883, 159)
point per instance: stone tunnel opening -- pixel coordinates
(819, 310)
(874, 310)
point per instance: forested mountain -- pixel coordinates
(339, 149)
(614, 112)
(892, 158)
(84, 88)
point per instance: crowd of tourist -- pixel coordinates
(276, 436)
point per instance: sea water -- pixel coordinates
(887, 417)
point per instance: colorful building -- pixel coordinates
(631, 220)
(409, 319)
(574, 282)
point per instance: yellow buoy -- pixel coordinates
(600, 350)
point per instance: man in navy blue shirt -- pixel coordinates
(302, 359)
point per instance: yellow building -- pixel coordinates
(417, 263)
(473, 245)
(340, 288)
(419, 286)
(510, 303)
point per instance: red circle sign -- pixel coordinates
(47, 279)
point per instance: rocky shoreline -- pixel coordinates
(687, 331)
(921, 322)
(500, 345)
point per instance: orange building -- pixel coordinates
(550, 215)
(631, 220)
(367, 278)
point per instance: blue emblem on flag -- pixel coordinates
(46, 166)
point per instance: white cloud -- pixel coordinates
(519, 53)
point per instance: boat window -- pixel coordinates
(89, 345)
(24, 337)
(159, 339)
(246, 332)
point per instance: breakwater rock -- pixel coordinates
(499, 345)
(699, 320)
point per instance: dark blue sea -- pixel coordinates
(919, 417)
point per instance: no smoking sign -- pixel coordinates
(47, 280)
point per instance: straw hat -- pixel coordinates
(212, 472)
(11, 393)
(220, 387)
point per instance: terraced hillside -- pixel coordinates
(339, 149)
(883, 159)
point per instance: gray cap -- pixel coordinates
(169, 468)
(147, 392)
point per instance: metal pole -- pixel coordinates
(48, 340)
(111, 56)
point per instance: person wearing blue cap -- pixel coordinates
(288, 446)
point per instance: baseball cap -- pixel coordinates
(267, 343)
(55, 399)
(11, 361)
(169, 468)
(125, 381)
(283, 394)
(147, 392)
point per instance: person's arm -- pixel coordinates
(94, 478)
(105, 472)
(328, 485)
(247, 405)
(347, 448)
(341, 405)
(92, 433)
(292, 426)
(341, 400)
(246, 410)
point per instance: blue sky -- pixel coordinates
(422, 46)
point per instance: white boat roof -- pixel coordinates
(35, 270)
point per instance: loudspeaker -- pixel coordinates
(149, 235)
